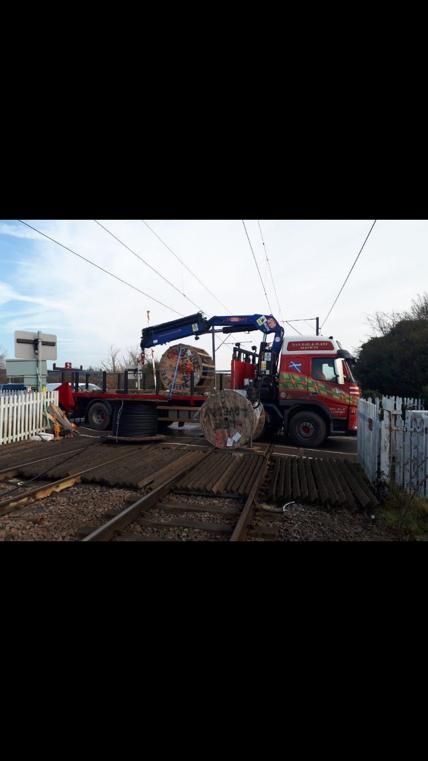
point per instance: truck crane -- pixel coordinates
(304, 383)
(305, 386)
(197, 324)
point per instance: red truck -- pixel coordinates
(305, 384)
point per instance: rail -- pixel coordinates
(217, 474)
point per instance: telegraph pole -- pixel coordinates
(153, 355)
(213, 350)
(39, 361)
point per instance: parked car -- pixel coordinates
(82, 386)
(12, 387)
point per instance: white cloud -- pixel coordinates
(17, 230)
(309, 260)
(6, 293)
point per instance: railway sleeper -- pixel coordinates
(217, 528)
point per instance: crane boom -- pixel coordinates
(197, 324)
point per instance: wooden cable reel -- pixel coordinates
(177, 364)
(229, 420)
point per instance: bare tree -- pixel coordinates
(381, 322)
(132, 358)
(113, 364)
(419, 308)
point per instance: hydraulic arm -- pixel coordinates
(197, 324)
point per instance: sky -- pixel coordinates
(43, 287)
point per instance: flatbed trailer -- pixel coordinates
(97, 407)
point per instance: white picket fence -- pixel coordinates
(23, 414)
(393, 442)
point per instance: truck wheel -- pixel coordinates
(307, 429)
(99, 416)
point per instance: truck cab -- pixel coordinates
(318, 394)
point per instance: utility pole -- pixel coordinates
(39, 361)
(153, 355)
(213, 350)
(307, 319)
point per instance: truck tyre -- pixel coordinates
(135, 419)
(307, 429)
(99, 416)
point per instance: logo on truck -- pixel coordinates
(310, 346)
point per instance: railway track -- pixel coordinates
(168, 491)
(170, 514)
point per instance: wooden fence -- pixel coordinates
(393, 442)
(23, 414)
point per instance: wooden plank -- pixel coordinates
(39, 492)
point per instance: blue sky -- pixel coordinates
(43, 287)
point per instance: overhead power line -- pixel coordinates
(292, 327)
(347, 277)
(185, 265)
(270, 272)
(152, 298)
(257, 266)
(273, 284)
(147, 264)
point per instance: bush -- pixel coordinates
(406, 512)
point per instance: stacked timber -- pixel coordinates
(177, 364)
(228, 419)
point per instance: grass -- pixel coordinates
(405, 512)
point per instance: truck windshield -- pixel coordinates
(323, 369)
(348, 373)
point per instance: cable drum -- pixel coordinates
(135, 419)
(177, 364)
(229, 420)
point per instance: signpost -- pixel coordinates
(35, 346)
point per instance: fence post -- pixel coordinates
(1, 418)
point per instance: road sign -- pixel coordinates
(35, 345)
